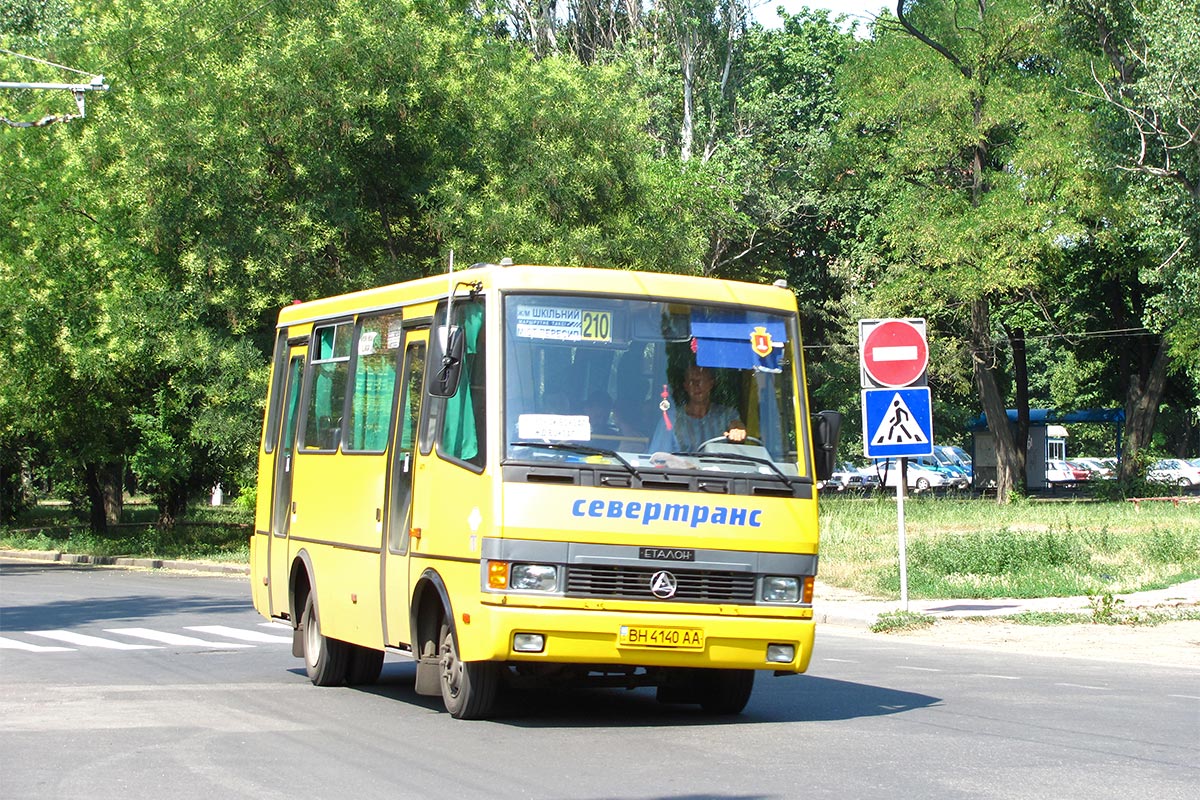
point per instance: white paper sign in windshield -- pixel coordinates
(564, 324)
(560, 427)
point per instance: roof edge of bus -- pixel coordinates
(509, 276)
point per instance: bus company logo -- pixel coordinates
(760, 341)
(663, 585)
(693, 515)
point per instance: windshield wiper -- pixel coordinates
(743, 457)
(582, 448)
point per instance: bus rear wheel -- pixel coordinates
(365, 664)
(325, 660)
(468, 687)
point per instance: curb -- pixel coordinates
(178, 565)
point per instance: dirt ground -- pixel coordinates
(1173, 644)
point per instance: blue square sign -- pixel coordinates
(897, 422)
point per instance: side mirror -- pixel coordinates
(826, 432)
(444, 382)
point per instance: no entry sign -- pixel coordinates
(892, 352)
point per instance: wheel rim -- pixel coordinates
(452, 668)
(312, 638)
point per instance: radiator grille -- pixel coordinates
(700, 586)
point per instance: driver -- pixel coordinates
(701, 419)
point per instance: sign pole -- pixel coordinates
(897, 407)
(901, 493)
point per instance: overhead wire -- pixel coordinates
(1114, 333)
(47, 63)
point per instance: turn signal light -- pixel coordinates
(497, 575)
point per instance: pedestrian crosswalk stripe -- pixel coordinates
(83, 640)
(171, 638)
(13, 644)
(236, 633)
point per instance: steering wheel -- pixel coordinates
(725, 440)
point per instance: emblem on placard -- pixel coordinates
(760, 341)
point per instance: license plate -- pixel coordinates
(669, 638)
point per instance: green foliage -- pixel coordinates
(209, 534)
(246, 157)
(894, 621)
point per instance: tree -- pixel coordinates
(1145, 73)
(956, 111)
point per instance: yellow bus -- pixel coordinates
(496, 472)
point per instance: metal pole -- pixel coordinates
(901, 493)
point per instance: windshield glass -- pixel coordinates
(648, 384)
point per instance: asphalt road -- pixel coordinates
(182, 691)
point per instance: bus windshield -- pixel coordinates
(645, 384)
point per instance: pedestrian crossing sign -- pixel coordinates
(897, 422)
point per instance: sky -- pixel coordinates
(764, 10)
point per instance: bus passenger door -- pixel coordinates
(281, 500)
(399, 497)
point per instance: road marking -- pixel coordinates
(171, 638)
(282, 626)
(841, 660)
(1084, 686)
(235, 633)
(997, 677)
(919, 669)
(83, 640)
(13, 644)
(1184, 696)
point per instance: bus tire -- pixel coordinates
(325, 659)
(364, 666)
(469, 688)
(726, 691)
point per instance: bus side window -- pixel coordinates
(374, 383)
(462, 435)
(330, 364)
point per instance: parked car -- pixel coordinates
(952, 455)
(1100, 467)
(834, 484)
(919, 478)
(1060, 473)
(1082, 471)
(1174, 470)
(955, 475)
(851, 478)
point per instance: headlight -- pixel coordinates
(781, 589)
(533, 577)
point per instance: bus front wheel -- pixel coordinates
(726, 691)
(325, 659)
(468, 687)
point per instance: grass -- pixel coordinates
(206, 533)
(896, 621)
(971, 548)
(1118, 616)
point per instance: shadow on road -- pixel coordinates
(800, 698)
